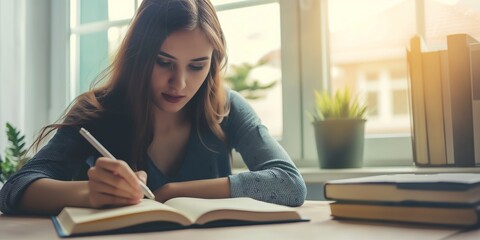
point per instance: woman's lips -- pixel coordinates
(172, 98)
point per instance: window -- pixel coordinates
(367, 44)
(380, 31)
(257, 44)
(443, 17)
(97, 28)
(300, 45)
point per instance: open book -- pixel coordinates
(176, 213)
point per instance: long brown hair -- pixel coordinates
(128, 77)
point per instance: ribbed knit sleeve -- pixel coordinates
(273, 176)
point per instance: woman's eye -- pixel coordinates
(163, 63)
(196, 68)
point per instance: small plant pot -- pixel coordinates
(340, 142)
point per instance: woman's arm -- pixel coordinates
(208, 188)
(273, 176)
(49, 196)
(111, 182)
(44, 184)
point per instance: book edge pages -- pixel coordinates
(411, 214)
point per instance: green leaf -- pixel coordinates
(14, 153)
(239, 80)
(342, 104)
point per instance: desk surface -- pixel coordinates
(321, 226)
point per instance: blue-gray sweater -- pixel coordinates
(272, 177)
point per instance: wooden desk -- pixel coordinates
(321, 226)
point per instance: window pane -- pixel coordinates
(118, 10)
(93, 58)
(372, 101)
(254, 59)
(115, 38)
(367, 40)
(93, 11)
(96, 52)
(444, 17)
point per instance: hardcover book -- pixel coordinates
(417, 102)
(475, 67)
(461, 98)
(453, 188)
(432, 76)
(467, 215)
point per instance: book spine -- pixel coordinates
(460, 96)
(417, 103)
(433, 108)
(475, 72)
(447, 108)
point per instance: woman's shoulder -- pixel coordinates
(239, 109)
(236, 100)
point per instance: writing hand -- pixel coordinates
(113, 183)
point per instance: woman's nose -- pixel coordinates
(178, 79)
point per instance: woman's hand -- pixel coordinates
(113, 183)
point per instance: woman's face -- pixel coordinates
(181, 67)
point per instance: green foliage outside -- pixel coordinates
(238, 79)
(15, 153)
(341, 105)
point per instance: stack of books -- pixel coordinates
(445, 102)
(441, 199)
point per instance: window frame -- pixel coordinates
(299, 75)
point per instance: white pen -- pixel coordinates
(97, 145)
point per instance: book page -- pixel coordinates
(80, 215)
(78, 220)
(231, 208)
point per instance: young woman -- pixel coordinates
(165, 113)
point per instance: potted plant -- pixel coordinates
(339, 124)
(15, 154)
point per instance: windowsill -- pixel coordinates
(317, 175)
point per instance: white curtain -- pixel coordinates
(11, 66)
(25, 38)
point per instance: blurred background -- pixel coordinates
(279, 51)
